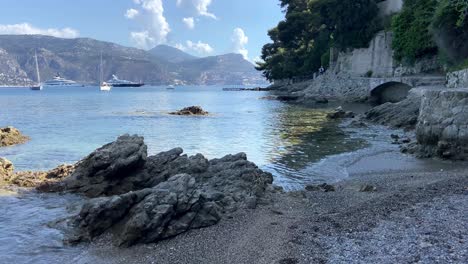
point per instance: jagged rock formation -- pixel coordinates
(157, 197)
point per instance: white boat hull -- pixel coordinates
(105, 88)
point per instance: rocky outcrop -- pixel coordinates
(403, 114)
(10, 136)
(39, 179)
(442, 129)
(142, 199)
(191, 110)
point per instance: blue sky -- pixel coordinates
(200, 27)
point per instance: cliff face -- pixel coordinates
(79, 59)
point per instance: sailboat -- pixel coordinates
(103, 86)
(37, 87)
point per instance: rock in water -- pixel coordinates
(40, 179)
(339, 113)
(191, 110)
(10, 136)
(157, 197)
(6, 169)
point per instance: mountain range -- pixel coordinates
(78, 59)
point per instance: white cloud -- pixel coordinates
(197, 47)
(156, 30)
(28, 29)
(143, 39)
(131, 13)
(189, 22)
(239, 40)
(180, 46)
(200, 6)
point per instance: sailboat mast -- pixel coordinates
(37, 68)
(101, 73)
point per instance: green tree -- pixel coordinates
(412, 37)
(301, 42)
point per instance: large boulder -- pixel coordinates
(442, 129)
(149, 215)
(151, 198)
(10, 136)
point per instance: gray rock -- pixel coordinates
(339, 113)
(160, 196)
(442, 129)
(104, 170)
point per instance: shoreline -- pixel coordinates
(344, 226)
(325, 227)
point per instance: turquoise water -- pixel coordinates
(65, 124)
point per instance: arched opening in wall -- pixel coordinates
(389, 92)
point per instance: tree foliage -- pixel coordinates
(301, 42)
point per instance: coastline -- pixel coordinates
(345, 226)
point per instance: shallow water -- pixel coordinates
(65, 124)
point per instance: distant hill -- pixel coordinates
(78, 59)
(171, 54)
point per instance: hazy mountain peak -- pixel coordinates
(171, 54)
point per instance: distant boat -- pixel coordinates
(37, 87)
(59, 81)
(116, 82)
(170, 87)
(103, 86)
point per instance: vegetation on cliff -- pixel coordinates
(301, 42)
(431, 27)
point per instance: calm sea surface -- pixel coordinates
(65, 124)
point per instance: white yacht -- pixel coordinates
(103, 86)
(59, 81)
(116, 82)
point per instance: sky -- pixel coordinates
(199, 27)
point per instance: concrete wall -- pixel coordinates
(378, 58)
(390, 7)
(458, 79)
(442, 128)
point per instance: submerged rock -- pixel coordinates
(10, 136)
(157, 197)
(339, 113)
(191, 110)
